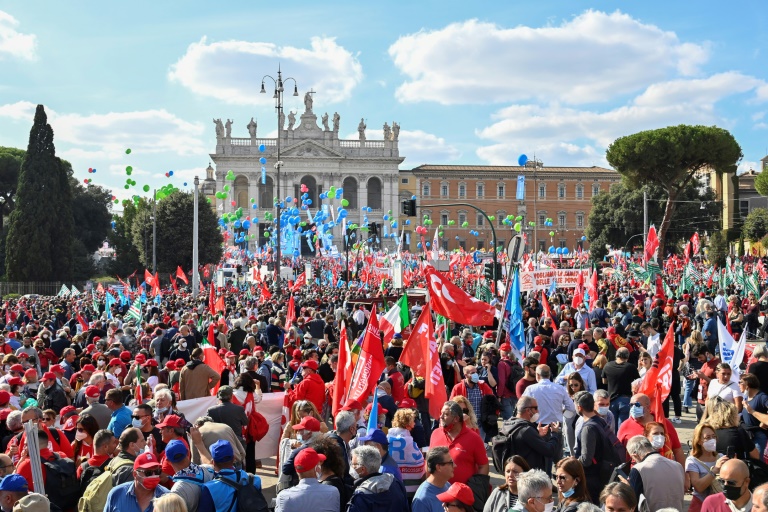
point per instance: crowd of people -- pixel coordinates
(564, 421)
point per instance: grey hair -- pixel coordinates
(639, 446)
(36, 410)
(543, 371)
(622, 353)
(588, 507)
(251, 362)
(531, 484)
(202, 420)
(368, 457)
(524, 403)
(455, 408)
(600, 393)
(163, 393)
(345, 420)
(13, 421)
(102, 437)
(764, 488)
(760, 351)
(96, 378)
(435, 456)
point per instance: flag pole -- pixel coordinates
(504, 304)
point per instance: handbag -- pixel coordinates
(715, 487)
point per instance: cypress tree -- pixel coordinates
(40, 231)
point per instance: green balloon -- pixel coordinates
(127, 187)
(226, 188)
(332, 189)
(517, 227)
(492, 218)
(266, 234)
(451, 222)
(344, 203)
(465, 224)
(253, 200)
(551, 233)
(440, 233)
(128, 151)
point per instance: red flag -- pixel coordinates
(687, 252)
(301, 280)
(660, 288)
(592, 290)
(9, 320)
(212, 300)
(220, 304)
(100, 288)
(343, 372)
(80, 320)
(212, 358)
(657, 382)
(173, 284)
(712, 276)
(425, 361)
(149, 278)
(370, 362)
(452, 302)
(545, 305)
(651, 244)
(695, 244)
(291, 314)
(181, 275)
(265, 293)
(578, 293)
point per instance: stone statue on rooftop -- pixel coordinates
(291, 120)
(228, 126)
(395, 131)
(252, 128)
(325, 122)
(361, 129)
(387, 132)
(308, 103)
(219, 128)
(336, 119)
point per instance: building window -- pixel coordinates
(542, 191)
(595, 189)
(480, 219)
(445, 245)
(561, 220)
(480, 190)
(541, 245)
(462, 190)
(500, 191)
(462, 218)
(744, 208)
(579, 192)
(443, 219)
(579, 220)
(480, 244)
(444, 190)
(500, 219)
(542, 218)
(404, 181)
(562, 242)
(463, 244)
(561, 191)
(425, 190)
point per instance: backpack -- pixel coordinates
(248, 497)
(516, 373)
(611, 453)
(503, 445)
(90, 473)
(95, 495)
(166, 343)
(61, 484)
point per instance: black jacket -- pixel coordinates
(55, 398)
(530, 445)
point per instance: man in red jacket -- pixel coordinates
(474, 390)
(311, 387)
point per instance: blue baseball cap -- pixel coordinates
(377, 436)
(221, 451)
(14, 483)
(175, 451)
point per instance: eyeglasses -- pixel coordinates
(465, 411)
(446, 462)
(574, 385)
(80, 429)
(708, 438)
(534, 407)
(150, 472)
(548, 500)
(137, 417)
(638, 404)
(729, 482)
(562, 478)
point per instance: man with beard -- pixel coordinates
(465, 446)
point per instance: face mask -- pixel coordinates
(100, 363)
(602, 411)
(578, 361)
(732, 492)
(50, 446)
(549, 506)
(150, 482)
(183, 345)
(137, 423)
(353, 473)
(657, 441)
(118, 371)
(475, 378)
(710, 445)
(570, 492)
(535, 418)
(637, 411)
(299, 437)
(80, 435)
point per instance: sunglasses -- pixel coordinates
(150, 472)
(137, 417)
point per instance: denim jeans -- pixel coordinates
(688, 390)
(507, 407)
(620, 409)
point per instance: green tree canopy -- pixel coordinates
(671, 157)
(126, 258)
(10, 165)
(40, 233)
(756, 225)
(761, 183)
(617, 216)
(174, 233)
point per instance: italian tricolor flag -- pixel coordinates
(396, 319)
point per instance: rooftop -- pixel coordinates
(508, 168)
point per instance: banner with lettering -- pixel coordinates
(535, 280)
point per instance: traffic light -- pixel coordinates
(409, 207)
(488, 270)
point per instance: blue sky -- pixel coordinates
(469, 82)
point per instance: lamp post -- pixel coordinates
(535, 164)
(278, 96)
(195, 284)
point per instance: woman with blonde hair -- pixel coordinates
(687, 366)
(169, 502)
(405, 451)
(703, 465)
(470, 418)
(723, 416)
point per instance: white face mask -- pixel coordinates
(535, 418)
(710, 445)
(578, 360)
(353, 473)
(548, 507)
(657, 441)
(80, 435)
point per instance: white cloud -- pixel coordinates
(593, 57)
(746, 165)
(19, 111)
(14, 43)
(231, 71)
(420, 147)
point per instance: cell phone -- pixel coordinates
(731, 452)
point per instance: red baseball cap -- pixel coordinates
(68, 410)
(30, 374)
(17, 368)
(352, 405)
(380, 409)
(244, 352)
(89, 368)
(49, 376)
(307, 459)
(307, 423)
(141, 358)
(150, 363)
(4, 414)
(171, 421)
(459, 492)
(92, 392)
(180, 363)
(230, 354)
(15, 381)
(56, 368)
(171, 365)
(505, 347)
(90, 348)
(297, 353)
(311, 364)
(146, 461)
(115, 362)
(407, 403)
(125, 355)
(96, 338)
(5, 397)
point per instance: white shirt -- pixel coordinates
(654, 345)
(552, 400)
(727, 392)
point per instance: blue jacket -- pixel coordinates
(378, 493)
(217, 496)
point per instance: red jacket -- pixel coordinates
(461, 389)
(312, 388)
(398, 386)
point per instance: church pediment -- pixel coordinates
(310, 149)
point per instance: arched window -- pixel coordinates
(579, 191)
(561, 191)
(462, 217)
(374, 193)
(462, 190)
(311, 184)
(425, 190)
(480, 219)
(500, 190)
(480, 190)
(580, 220)
(241, 192)
(542, 191)
(266, 194)
(350, 192)
(500, 216)
(595, 189)
(444, 217)
(444, 189)
(561, 219)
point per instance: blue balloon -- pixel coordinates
(407, 222)
(246, 224)
(309, 201)
(428, 244)
(343, 214)
(255, 206)
(262, 147)
(386, 217)
(418, 245)
(457, 237)
(289, 199)
(170, 173)
(185, 183)
(339, 191)
(413, 197)
(296, 252)
(551, 249)
(566, 250)
(262, 160)
(237, 224)
(583, 239)
(522, 160)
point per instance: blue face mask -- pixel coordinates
(569, 492)
(475, 378)
(637, 411)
